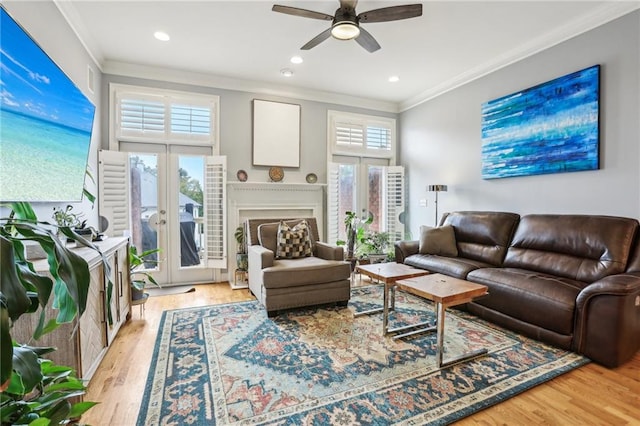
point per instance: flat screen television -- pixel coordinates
(45, 123)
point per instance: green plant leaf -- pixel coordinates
(27, 368)
(6, 346)
(78, 409)
(16, 295)
(40, 421)
(23, 211)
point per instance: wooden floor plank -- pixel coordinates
(590, 395)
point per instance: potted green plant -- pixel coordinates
(355, 228)
(33, 390)
(67, 218)
(374, 245)
(242, 258)
(138, 273)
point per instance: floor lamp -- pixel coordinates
(436, 189)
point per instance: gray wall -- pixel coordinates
(441, 139)
(43, 21)
(236, 128)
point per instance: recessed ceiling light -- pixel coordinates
(286, 72)
(394, 79)
(296, 60)
(161, 35)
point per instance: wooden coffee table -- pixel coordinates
(444, 291)
(387, 273)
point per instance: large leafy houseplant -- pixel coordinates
(355, 228)
(33, 390)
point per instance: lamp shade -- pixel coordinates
(437, 188)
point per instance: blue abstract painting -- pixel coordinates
(549, 128)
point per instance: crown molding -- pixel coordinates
(609, 11)
(70, 14)
(602, 15)
(229, 83)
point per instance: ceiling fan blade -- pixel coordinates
(393, 13)
(301, 12)
(367, 41)
(317, 39)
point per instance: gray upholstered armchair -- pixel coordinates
(282, 283)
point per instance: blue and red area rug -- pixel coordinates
(230, 364)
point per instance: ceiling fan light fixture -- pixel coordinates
(345, 30)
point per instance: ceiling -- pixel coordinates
(244, 45)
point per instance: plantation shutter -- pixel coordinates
(215, 202)
(113, 191)
(350, 135)
(166, 117)
(333, 203)
(393, 202)
(379, 137)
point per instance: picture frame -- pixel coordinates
(549, 128)
(276, 134)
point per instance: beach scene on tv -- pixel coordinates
(46, 123)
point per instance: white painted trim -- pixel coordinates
(609, 11)
(605, 13)
(258, 87)
(70, 14)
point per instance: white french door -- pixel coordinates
(176, 204)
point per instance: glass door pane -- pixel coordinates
(147, 212)
(347, 194)
(190, 208)
(374, 196)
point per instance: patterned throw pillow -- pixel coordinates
(293, 242)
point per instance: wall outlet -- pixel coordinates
(423, 202)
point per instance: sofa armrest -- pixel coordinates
(405, 249)
(608, 319)
(259, 258)
(329, 251)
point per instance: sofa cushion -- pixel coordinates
(457, 267)
(543, 300)
(440, 241)
(308, 270)
(578, 247)
(293, 242)
(483, 236)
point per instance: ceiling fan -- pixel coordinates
(346, 23)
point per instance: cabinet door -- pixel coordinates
(124, 289)
(93, 325)
(112, 329)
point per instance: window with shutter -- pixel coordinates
(361, 175)
(163, 116)
(356, 134)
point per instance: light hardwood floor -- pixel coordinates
(591, 395)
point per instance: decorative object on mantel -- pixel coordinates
(242, 175)
(276, 174)
(436, 189)
(312, 178)
(550, 128)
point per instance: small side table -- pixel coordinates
(141, 302)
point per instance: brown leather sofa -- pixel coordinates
(569, 280)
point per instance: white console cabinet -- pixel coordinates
(84, 349)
